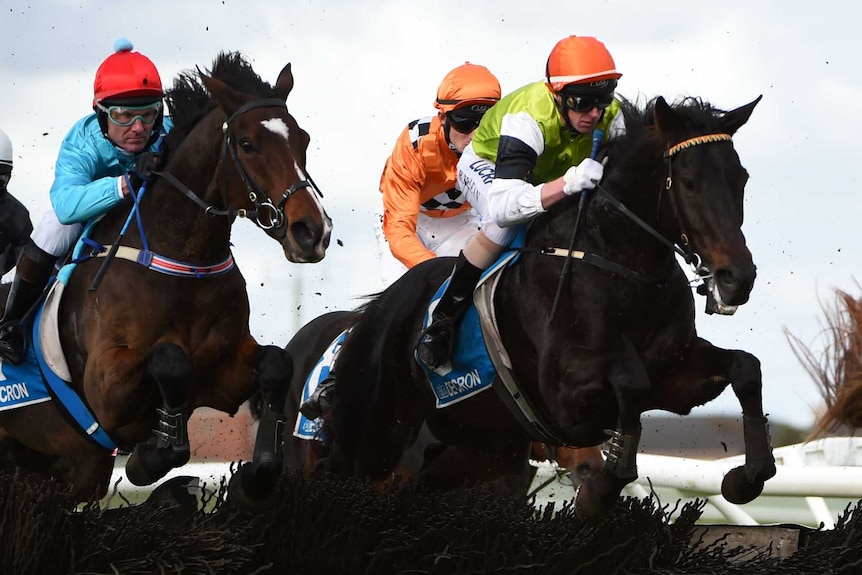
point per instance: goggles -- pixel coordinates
(463, 123)
(586, 102)
(126, 116)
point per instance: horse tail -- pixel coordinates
(838, 372)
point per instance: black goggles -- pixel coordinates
(463, 123)
(586, 102)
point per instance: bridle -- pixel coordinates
(686, 251)
(266, 215)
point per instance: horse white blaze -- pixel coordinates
(277, 126)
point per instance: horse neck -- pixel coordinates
(637, 181)
(190, 234)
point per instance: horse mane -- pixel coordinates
(188, 100)
(639, 116)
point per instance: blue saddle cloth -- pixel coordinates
(33, 381)
(472, 370)
(313, 428)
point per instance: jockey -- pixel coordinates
(531, 150)
(15, 226)
(89, 176)
(424, 213)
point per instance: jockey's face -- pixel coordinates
(585, 122)
(458, 138)
(132, 138)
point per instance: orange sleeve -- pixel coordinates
(401, 184)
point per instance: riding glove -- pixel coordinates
(582, 177)
(143, 169)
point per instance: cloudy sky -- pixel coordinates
(364, 69)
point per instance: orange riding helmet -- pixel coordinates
(580, 60)
(468, 85)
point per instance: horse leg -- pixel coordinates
(629, 379)
(502, 465)
(169, 366)
(705, 372)
(744, 484)
(40, 440)
(257, 480)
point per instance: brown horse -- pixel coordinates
(838, 372)
(622, 340)
(153, 343)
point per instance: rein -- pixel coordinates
(685, 252)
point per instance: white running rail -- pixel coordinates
(808, 473)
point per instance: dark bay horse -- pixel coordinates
(622, 340)
(838, 371)
(146, 348)
(309, 344)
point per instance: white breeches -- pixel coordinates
(475, 183)
(443, 236)
(53, 237)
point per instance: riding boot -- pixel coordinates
(435, 347)
(34, 268)
(319, 403)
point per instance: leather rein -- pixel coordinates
(686, 251)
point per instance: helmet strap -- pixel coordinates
(446, 127)
(563, 108)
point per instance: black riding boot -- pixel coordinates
(435, 347)
(319, 403)
(34, 268)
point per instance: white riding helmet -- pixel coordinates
(5, 150)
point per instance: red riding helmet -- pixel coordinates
(579, 60)
(468, 85)
(126, 74)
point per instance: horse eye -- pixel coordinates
(688, 183)
(246, 146)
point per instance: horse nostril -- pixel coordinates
(303, 235)
(725, 278)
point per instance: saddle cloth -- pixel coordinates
(44, 374)
(313, 428)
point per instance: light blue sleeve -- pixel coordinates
(81, 191)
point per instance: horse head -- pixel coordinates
(267, 150)
(705, 185)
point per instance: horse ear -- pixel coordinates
(666, 120)
(284, 84)
(735, 119)
(228, 99)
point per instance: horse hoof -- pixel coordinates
(736, 488)
(136, 469)
(254, 490)
(148, 464)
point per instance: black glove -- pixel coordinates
(146, 164)
(143, 169)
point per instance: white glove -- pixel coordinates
(582, 177)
